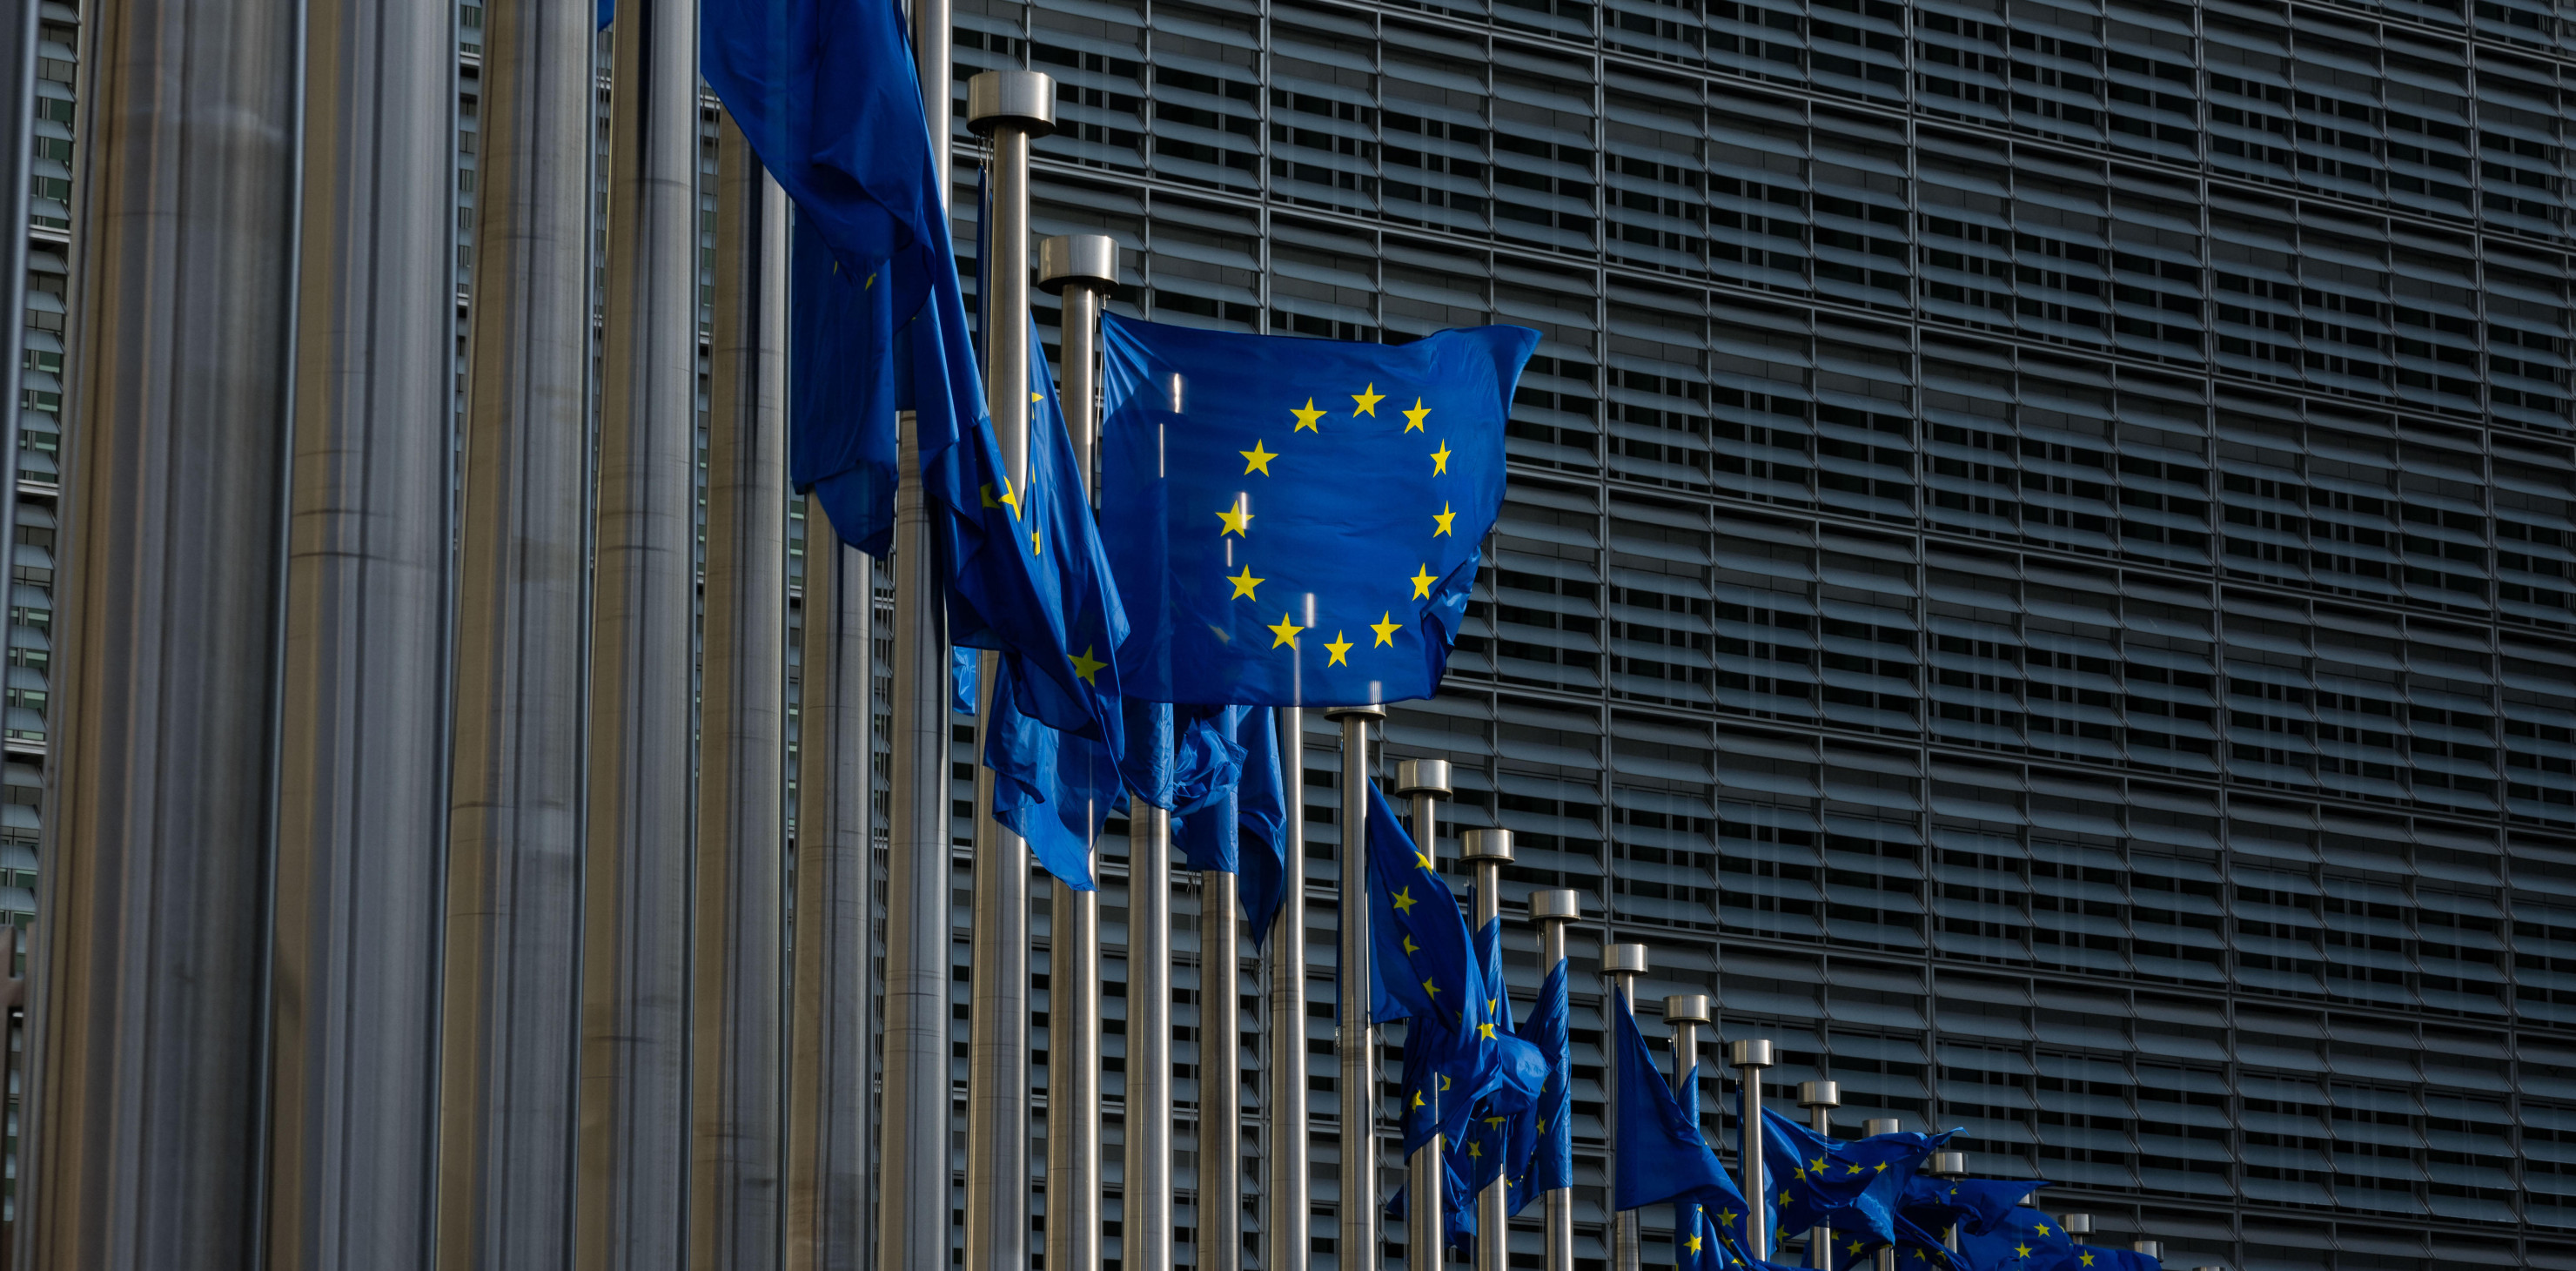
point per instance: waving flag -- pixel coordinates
(1299, 521)
(1211, 832)
(1856, 1184)
(1976, 1205)
(1662, 1156)
(1542, 1144)
(2027, 1240)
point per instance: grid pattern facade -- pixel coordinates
(2037, 566)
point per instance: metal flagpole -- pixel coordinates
(1620, 966)
(510, 1027)
(1355, 1041)
(913, 1157)
(1749, 1057)
(1949, 1165)
(1489, 851)
(1819, 1098)
(739, 981)
(1220, 1140)
(363, 765)
(1145, 1190)
(630, 1199)
(1286, 1197)
(1554, 911)
(1012, 108)
(1685, 1013)
(1426, 780)
(1082, 268)
(1886, 1257)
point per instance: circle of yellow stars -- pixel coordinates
(1237, 520)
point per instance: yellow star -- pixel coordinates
(1422, 583)
(2022, 1250)
(1364, 402)
(1493, 1121)
(1404, 902)
(1800, 1172)
(1879, 1168)
(1434, 990)
(1256, 459)
(1034, 549)
(1410, 947)
(1423, 859)
(1340, 649)
(1285, 631)
(1244, 583)
(1306, 416)
(1485, 1031)
(2040, 1227)
(1852, 1170)
(1726, 1215)
(1817, 1165)
(1442, 518)
(1236, 519)
(1010, 498)
(1694, 1244)
(1035, 397)
(1853, 1247)
(1417, 1098)
(1086, 665)
(1475, 1149)
(1413, 418)
(1386, 626)
(1440, 459)
(2088, 1258)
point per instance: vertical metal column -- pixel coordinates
(1749, 1058)
(1082, 268)
(1011, 107)
(1287, 1201)
(739, 981)
(1488, 851)
(913, 1159)
(1145, 1189)
(1685, 1013)
(1885, 1260)
(1219, 1200)
(1819, 1098)
(151, 1004)
(1355, 1041)
(1949, 1165)
(1620, 966)
(362, 736)
(1554, 911)
(511, 1026)
(1426, 1208)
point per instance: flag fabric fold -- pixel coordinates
(1854, 1185)
(1977, 1205)
(1299, 521)
(1662, 1155)
(2027, 1240)
(1542, 1143)
(1211, 833)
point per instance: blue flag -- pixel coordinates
(1457, 1209)
(1661, 1156)
(962, 671)
(2098, 1258)
(825, 92)
(1542, 1146)
(1855, 1184)
(1917, 1249)
(2027, 1240)
(1698, 1245)
(1331, 568)
(1485, 1139)
(1052, 788)
(1209, 830)
(1977, 1205)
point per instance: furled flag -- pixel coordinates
(1212, 834)
(1976, 1205)
(2027, 1240)
(1661, 1155)
(1484, 1140)
(1854, 1184)
(1542, 1143)
(1330, 569)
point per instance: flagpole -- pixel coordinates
(1012, 108)
(1621, 966)
(1219, 1200)
(1749, 1057)
(1355, 1042)
(738, 989)
(1874, 1126)
(1553, 912)
(1950, 1165)
(1819, 1099)
(1685, 1012)
(1489, 851)
(1082, 268)
(1426, 780)
(1285, 1195)
(913, 1155)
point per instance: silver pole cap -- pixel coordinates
(1485, 847)
(1077, 260)
(1624, 959)
(1881, 1125)
(1753, 1052)
(1949, 1165)
(1820, 1094)
(2076, 1224)
(1559, 905)
(1686, 1008)
(1011, 99)
(2152, 1248)
(1354, 712)
(1422, 776)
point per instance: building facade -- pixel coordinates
(2037, 564)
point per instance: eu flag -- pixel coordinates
(2098, 1258)
(1054, 789)
(1698, 1245)
(1976, 1205)
(2027, 1240)
(1542, 1146)
(1457, 1208)
(1855, 1184)
(1211, 832)
(1332, 567)
(1661, 1155)
(1917, 1249)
